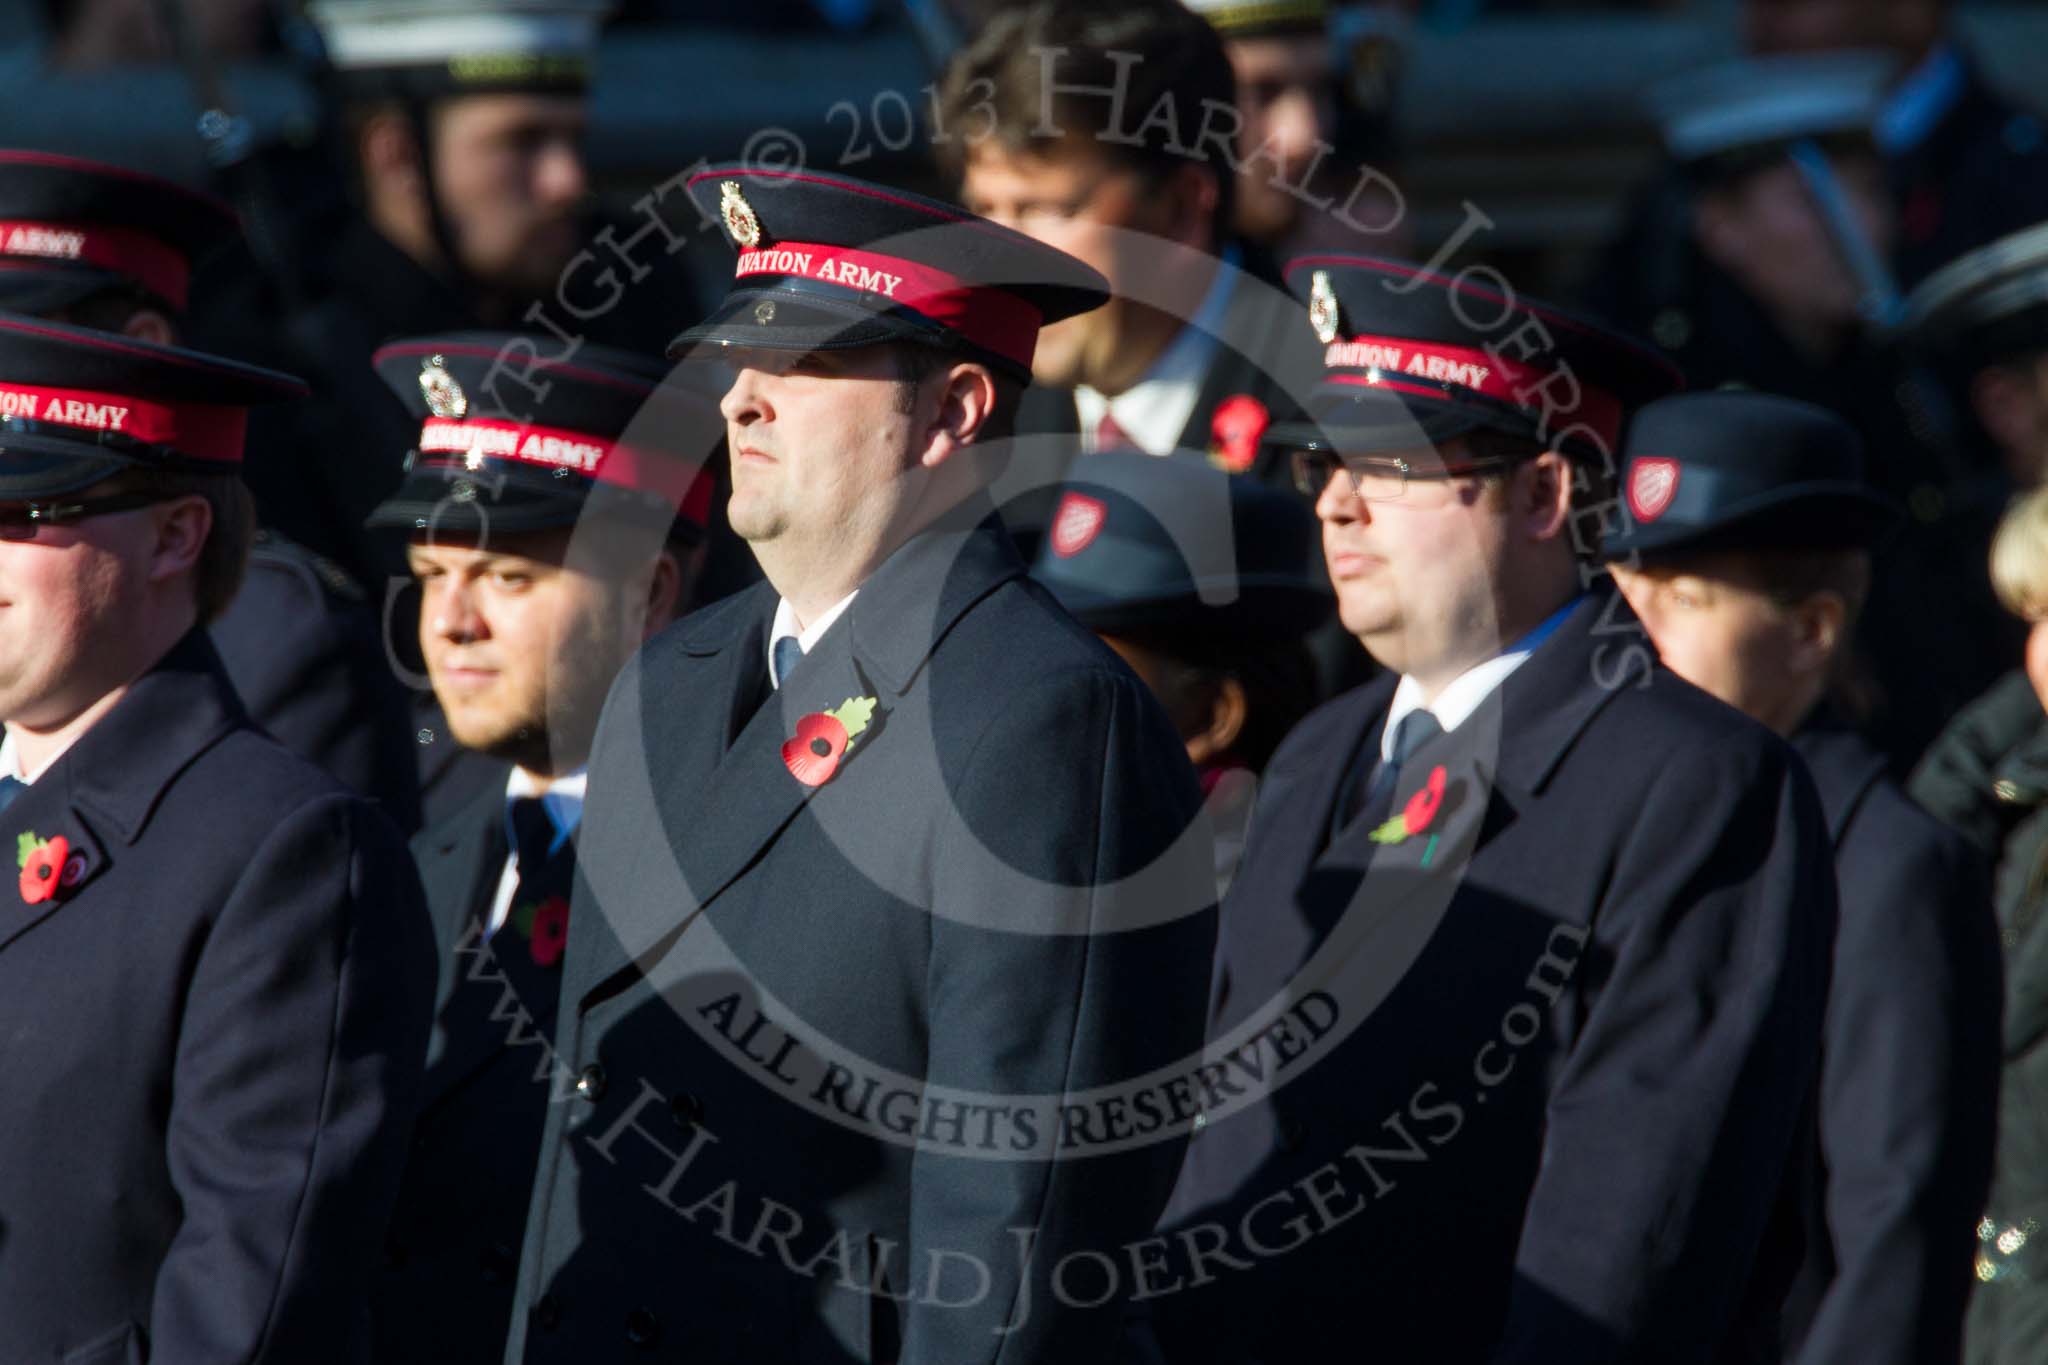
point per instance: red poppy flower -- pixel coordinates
(43, 869)
(813, 756)
(1421, 808)
(550, 931)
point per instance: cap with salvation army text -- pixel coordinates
(1411, 358)
(78, 406)
(827, 262)
(70, 229)
(513, 439)
(1733, 470)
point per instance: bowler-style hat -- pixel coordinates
(1742, 471)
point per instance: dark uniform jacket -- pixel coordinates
(1535, 1077)
(1909, 1074)
(446, 1295)
(210, 1043)
(305, 650)
(931, 941)
(1987, 777)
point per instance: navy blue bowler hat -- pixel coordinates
(70, 229)
(513, 440)
(1742, 471)
(78, 406)
(1140, 544)
(1412, 358)
(827, 262)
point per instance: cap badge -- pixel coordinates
(1322, 307)
(444, 396)
(1652, 484)
(739, 215)
(1076, 524)
(764, 312)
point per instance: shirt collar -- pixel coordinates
(1463, 694)
(1155, 411)
(10, 761)
(560, 797)
(1921, 101)
(785, 625)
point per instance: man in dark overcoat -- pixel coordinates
(215, 971)
(893, 897)
(1520, 983)
(553, 520)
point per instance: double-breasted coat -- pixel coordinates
(824, 1007)
(1525, 1085)
(210, 1042)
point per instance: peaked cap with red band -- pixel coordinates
(511, 440)
(1411, 358)
(70, 229)
(827, 262)
(78, 406)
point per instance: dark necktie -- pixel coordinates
(10, 787)
(1370, 791)
(546, 877)
(788, 654)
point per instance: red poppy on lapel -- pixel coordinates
(812, 755)
(1234, 431)
(42, 866)
(550, 933)
(1418, 814)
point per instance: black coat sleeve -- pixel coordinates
(1671, 1126)
(296, 1071)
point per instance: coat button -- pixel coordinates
(590, 1084)
(687, 1110)
(643, 1329)
(547, 1312)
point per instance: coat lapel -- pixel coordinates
(460, 864)
(100, 795)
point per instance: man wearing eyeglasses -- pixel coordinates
(215, 967)
(1542, 930)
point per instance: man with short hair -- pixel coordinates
(1748, 560)
(1190, 355)
(1983, 317)
(115, 249)
(892, 886)
(1526, 956)
(550, 536)
(215, 979)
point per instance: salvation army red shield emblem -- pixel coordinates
(1234, 431)
(1652, 484)
(1076, 524)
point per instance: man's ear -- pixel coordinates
(667, 581)
(1228, 709)
(182, 526)
(390, 154)
(967, 401)
(1540, 496)
(1818, 624)
(1191, 196)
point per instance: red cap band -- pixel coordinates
(1391, 360)
(993, 319)
(159, 269)
(624, 466)
(201, 431)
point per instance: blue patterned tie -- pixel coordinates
(10, 787)
(788, 654)
(1371, 791)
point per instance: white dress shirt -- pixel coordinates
(1462, 695)
(785, 625)
(1155, 411)
(10, 760)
